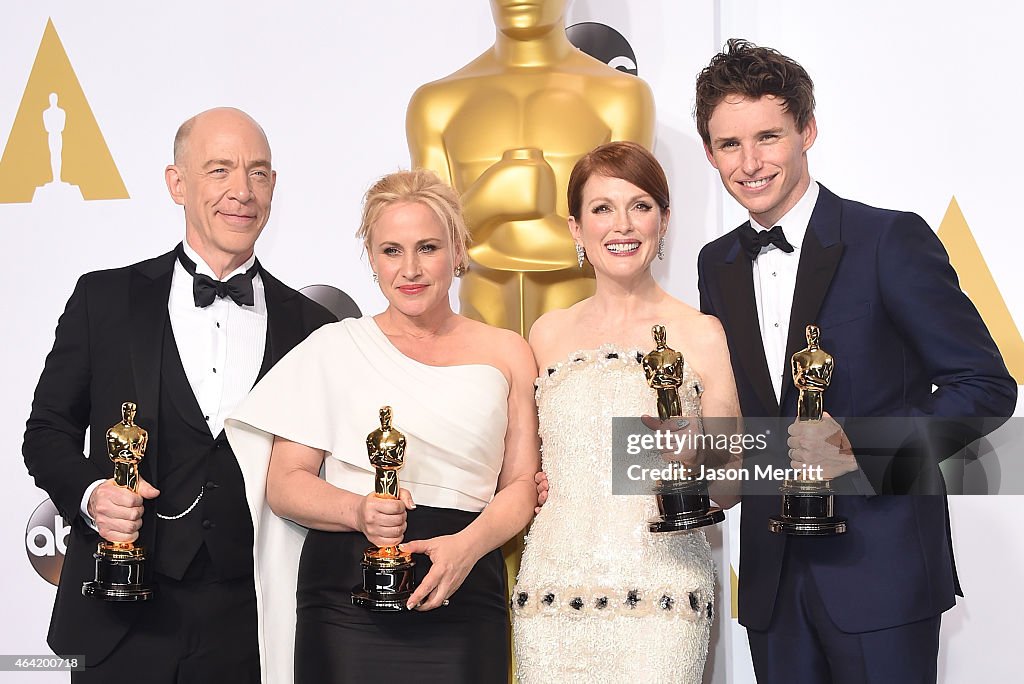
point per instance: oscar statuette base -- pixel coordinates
(388, 582)
(119, 574)
(808, 510)
(684, 505)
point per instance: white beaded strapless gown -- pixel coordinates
(599, 598)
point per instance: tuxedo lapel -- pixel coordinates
(150, 289)
(738, 314)
(284, 322)
(819, 258)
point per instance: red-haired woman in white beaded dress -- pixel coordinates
(599, 598)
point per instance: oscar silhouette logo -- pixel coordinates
(56, 149)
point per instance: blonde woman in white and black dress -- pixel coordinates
(462, 393)
(599, 598)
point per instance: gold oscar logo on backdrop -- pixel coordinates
(56, 147)
(977, 282)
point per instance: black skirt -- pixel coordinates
(335, 641)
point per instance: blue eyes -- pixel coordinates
(426, 249)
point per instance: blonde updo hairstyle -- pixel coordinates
(425, 187)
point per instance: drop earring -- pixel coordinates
(661, 248)
(580, 254)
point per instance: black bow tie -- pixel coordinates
(753, 241)
(205, 289)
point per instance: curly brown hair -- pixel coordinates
(750, 71)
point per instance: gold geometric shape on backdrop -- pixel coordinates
(979, 285)
(73, 146)
(734, 592)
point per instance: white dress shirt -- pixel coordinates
(774, 274)
(220, 346)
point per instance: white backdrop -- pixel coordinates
(916, 103)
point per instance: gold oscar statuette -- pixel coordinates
(505, 131)
(121, 566)
(388, 577)
(808, 506)
(684, 503)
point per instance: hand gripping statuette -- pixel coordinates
(388, 578)
(808, 506)
(684, 504)
(120, 566)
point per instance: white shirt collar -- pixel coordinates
(795, 221)
(203, 267)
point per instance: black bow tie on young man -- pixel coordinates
(753, 241)
(205, 289)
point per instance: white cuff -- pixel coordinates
(84, 508)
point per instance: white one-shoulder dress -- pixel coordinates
(326, 393)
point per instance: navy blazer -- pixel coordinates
(879, 285)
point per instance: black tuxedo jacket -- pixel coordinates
(879, 285)
(108, 350)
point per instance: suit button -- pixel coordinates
(207, 524)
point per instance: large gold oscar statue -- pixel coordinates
(505, 130)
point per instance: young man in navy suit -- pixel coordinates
(863, 606)
(184, 336)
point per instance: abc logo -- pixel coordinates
(46, 541)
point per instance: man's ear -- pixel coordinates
(710, 156)
(174, 177)
(810, 134)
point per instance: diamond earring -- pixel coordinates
(375, 276)
(661, 248)
(580, 254)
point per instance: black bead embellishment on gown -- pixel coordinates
(548, 599)
(694, 604)
(601, 602)
(632, 598)
(576, 603)
(711, 613)
(551, 371)
(521, 598)
(612, 355)
(666, 602)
